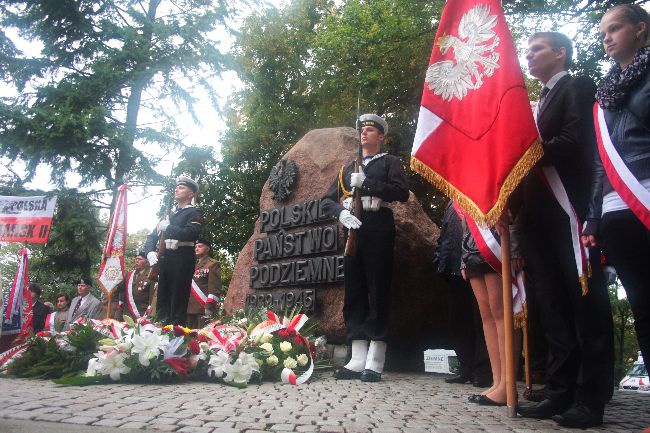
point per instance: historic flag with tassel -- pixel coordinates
(17, 317)
(476, 138)
(111, 271)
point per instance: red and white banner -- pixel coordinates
(50, 320)
(26, 219)
(476, 138)
(619, 175)
(17, 317)
(111, 271)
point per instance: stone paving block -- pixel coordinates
(307, 428)
(134, 425)
(52, 417)
(220, 425)
(190, 422)
(110, 422)
(162, 427)
(262, 425)
(331, 429)
(283, 427)
(83, 420)
(195, 429)
(161, 420)
(22, 415)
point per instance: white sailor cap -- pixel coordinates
(373, 120)
(190, 183)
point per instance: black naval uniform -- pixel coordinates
(368, 275)
(176, 266)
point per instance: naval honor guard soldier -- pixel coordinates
(368, 274)
(180, 230)
(206, 293)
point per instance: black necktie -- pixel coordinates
(542, 96)
(76, 307)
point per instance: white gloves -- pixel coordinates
(348, 203)
(356, 179)
(152, 257)
(348, 220)
(163, 224)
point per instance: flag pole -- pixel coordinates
(508, 323)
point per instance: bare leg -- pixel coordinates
(489, 329)
(495, 296)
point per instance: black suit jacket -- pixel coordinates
(39, 311)
(565, 124)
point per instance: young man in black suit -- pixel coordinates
(39, 309)
(554, 198)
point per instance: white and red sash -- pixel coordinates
(552, 180)
(201, 297)
(490, 250)
(130, 301)
(49, 321)
(619, 175)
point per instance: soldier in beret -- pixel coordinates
(368, 275)
(180, 231)
(85, 305)
(206, 292)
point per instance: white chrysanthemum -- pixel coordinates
(267, 347)
(218, 364)
(302, 360)
(290, 363)
(285, 346)
(272, 360)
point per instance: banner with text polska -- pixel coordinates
(26, 218)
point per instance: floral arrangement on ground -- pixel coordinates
(249, 346)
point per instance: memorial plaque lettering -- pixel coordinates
(283, 299)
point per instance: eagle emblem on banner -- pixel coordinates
(474, 56)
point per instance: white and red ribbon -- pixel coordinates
(619, 175)
(198, 294)
(490, 250)
(130, 301)
(49, 321)
(552, 180)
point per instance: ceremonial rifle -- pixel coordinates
(351, 244)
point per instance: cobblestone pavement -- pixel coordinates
(401, 403)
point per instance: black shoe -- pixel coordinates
(580, 416)
(482, 382)
(345, 374)
(484, 400)
(370, 376)
(460, 378)
(542, 410)
(474, 398)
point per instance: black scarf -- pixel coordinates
(617, 84)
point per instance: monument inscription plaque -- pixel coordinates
(301, 249)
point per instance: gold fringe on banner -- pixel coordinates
(521, 318)
(523, 166)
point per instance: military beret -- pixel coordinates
(373, 120)
(205, 242)
(84, 280)
(190, 183)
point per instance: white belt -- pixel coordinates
(173, 244)
(368, 202)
